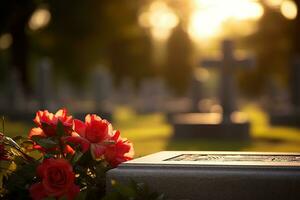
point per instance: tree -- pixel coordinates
(272, 44)
(14, 16)
(178, 68)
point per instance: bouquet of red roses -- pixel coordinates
(62, 158)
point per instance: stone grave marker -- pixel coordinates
(102, 86)
(227, 66)
(198, 175)
(44, 84)
(226, 125)
(151, 95)
(126, 92)
(196, 92)
(291, 116)
(15, 103)
(16, 99)
(97, 99)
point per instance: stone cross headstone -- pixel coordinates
(44, 83)
(210, 175)
(228, 125)
(227, 64)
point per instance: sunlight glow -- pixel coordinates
(39, 19)
(5, 41)
(288, 9)
(160, 19)
(273, 3)
(209, 17)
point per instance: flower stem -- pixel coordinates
(3, 127)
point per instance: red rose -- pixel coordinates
(57, 180)
(96, 131)
(77, 141)
(119, 151)
(47, 125)
(47, 122)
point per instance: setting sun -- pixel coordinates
(209, 16)
(160, 19)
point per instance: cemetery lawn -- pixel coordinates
(151, 133)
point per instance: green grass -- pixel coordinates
(151, 133)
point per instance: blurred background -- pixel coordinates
(138, 63)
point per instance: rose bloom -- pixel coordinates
(76, 141)
(119, 151)
(47, 123)
(57, 180)
(104, 142)
(96, 131)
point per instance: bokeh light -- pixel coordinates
(209, 16)
(288, 9)
(5, 41)
(160, 18)
(39, 19)
(273, 3)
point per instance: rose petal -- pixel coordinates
(61, 112)
(79, 127)
(36, 132)
(82, 142)
(97, 151)
(72, 192)
(37, 191)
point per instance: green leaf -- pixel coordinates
(50, 198)
(60, 130)
(18, 182)
(76, 156)
(63, 198)
(81, 195)
(133, 191)
(19, 138)
(45, 142)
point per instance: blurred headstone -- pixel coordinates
(126, 92)
(197, 92)
(226, 125)
(101, 86)
(16, 97)
(227, 85)
(98, 95)
(152, 94)
(44, 83)
(291, 116)
(16, 104)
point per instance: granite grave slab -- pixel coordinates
(212, 175)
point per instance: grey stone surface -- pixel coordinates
(215, 175)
